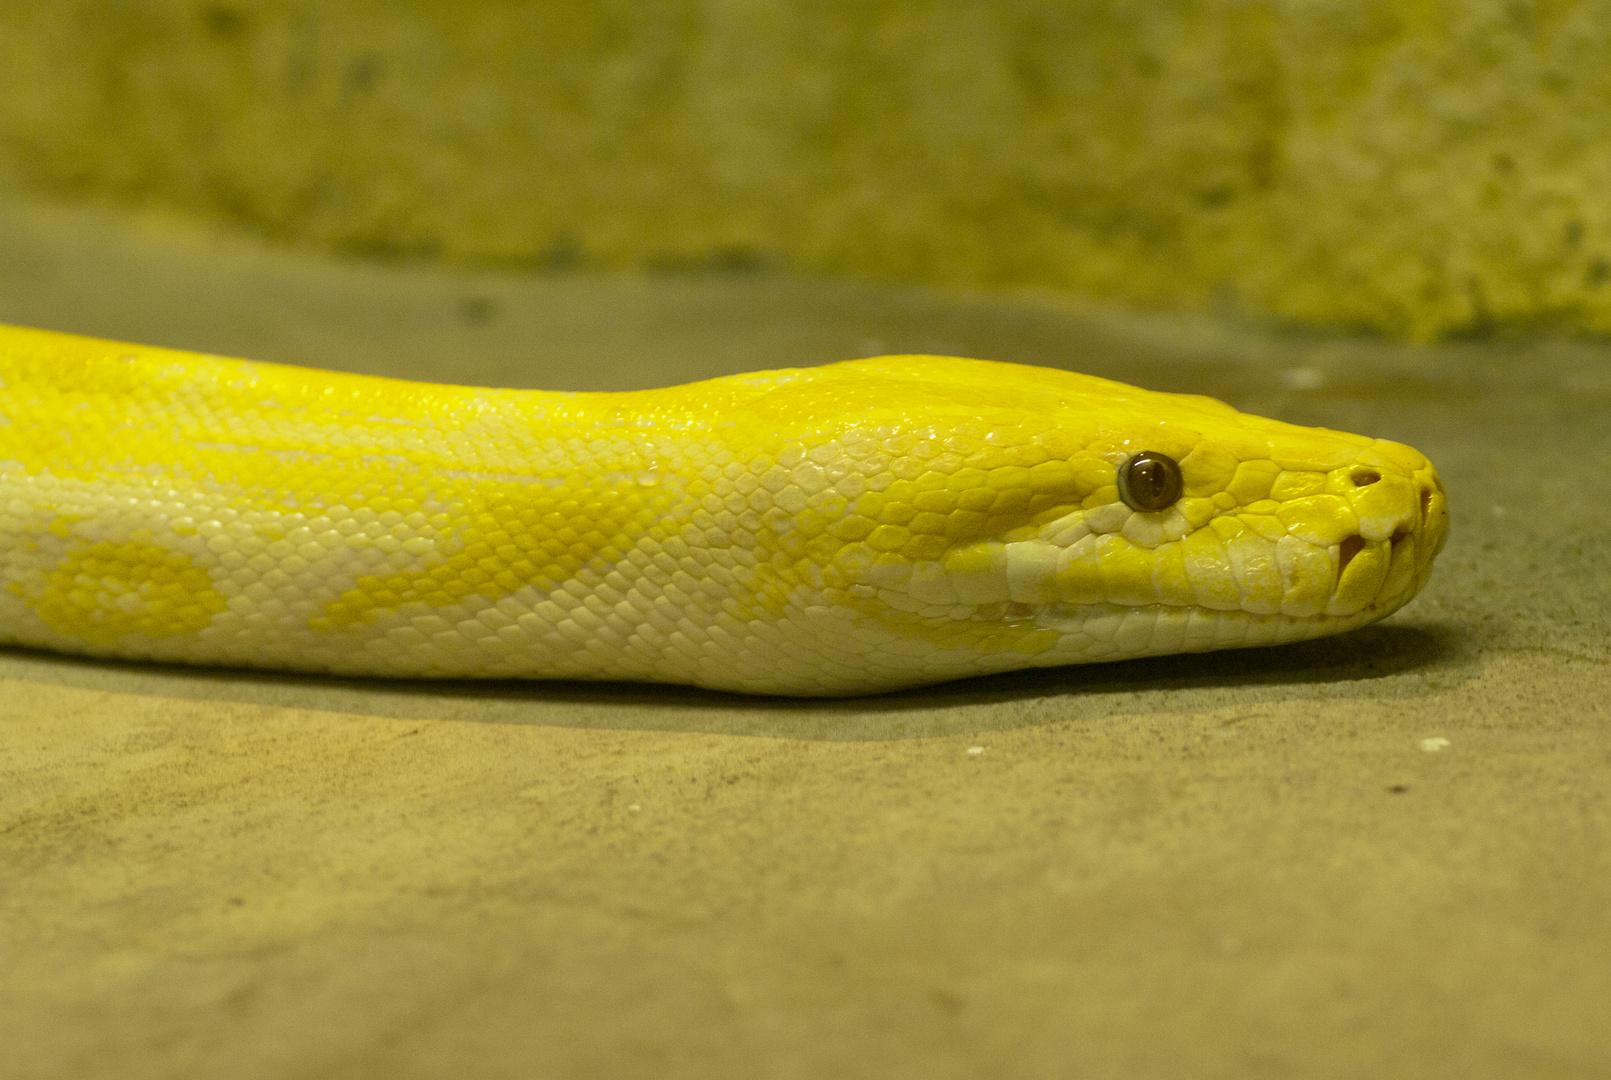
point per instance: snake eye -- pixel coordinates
(1149, 481)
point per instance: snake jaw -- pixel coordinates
(1354, 548)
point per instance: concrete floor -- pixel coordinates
(1387, 854)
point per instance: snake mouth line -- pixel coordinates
(1372, 568)
(1394, 568)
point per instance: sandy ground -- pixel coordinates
(1387, 854)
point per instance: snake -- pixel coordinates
(851, 528)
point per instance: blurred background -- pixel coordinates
(1413, 168)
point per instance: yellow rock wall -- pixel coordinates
(1415, 167)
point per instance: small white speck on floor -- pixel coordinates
(1303, 378)
(975, 750)
(634, 808)
(1498, 511)
(1433, 745)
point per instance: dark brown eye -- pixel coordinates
(1149, 481)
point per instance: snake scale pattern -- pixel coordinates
(846, 529)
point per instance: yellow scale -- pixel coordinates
(845, 529)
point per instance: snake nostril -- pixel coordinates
(1351, 546)
(1426, 503)
(1365, 477)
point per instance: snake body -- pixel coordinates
(853, 528)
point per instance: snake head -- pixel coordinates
(993, 510)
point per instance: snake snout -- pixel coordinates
(1403, 521)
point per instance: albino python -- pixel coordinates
(845, 529)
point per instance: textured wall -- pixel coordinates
(1417, 167)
